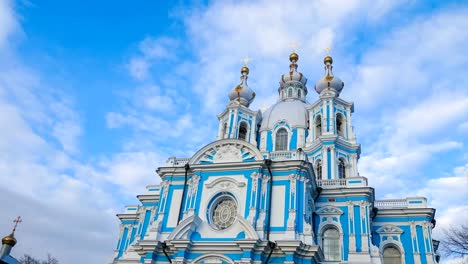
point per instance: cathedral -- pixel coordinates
(276, 186)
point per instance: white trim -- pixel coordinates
(212, 255)
(275, 131)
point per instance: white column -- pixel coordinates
(415, 244)
(263, 140)
(325, 163)
(234, 124)
(353, 172)
(333, 162)
(352, 235)
(253, 135)
(364, 231)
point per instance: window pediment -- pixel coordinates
(389, 229)
(329, 210)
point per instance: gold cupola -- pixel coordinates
(9, 240)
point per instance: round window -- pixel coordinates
(224, 212)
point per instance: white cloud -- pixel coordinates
(8, 20)
(132, 171)
(138, 68)
(413, 61)
(151, 51)
(226, 31)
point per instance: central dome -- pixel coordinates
(293, 112)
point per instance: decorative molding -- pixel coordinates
(225, 183)
(226, 150)
(213, 258)
(185, 228)
(389, 229)
(329, 210)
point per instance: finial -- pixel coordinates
(246, 60)
(293, 57)
(245, 69)
(328, 58)
(294, 46)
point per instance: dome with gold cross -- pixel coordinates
(329, 82)
(242, 93)
(293, 77)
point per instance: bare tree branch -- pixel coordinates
(455, 241)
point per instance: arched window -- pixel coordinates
(339, 125)
(290, 92)
(331, 245)
(318, 126)
(318, 165)
(243, 131)
(341, 169)
(299, 93)
(224, 131)
(281, 142)
(391, 255)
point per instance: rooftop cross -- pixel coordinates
(294, 45)
(246, 60)
(17, 221)
(327, 50)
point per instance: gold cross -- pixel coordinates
(327, 50)
(294, 45)
(17, 221)
(246, 60)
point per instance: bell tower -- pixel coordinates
(331, 138)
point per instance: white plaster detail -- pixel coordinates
(225, 183)
(226, 150)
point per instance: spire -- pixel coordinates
(10, 239)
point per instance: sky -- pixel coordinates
(95, 95)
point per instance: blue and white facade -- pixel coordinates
(280, 186)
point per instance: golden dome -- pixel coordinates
(9, 240)
(293, 57)
(245, 70)
(328, 58)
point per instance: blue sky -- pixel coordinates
(95, 95)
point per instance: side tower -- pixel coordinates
(237, 120)
(331, 141)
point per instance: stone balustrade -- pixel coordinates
(177, 162)
(353, 182)
(285, 155)
(410, 202)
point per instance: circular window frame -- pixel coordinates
(216, 200)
